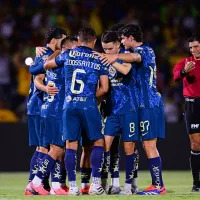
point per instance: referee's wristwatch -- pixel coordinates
(183, 73)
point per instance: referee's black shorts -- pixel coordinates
(192, 115)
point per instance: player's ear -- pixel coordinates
(131, 38)
(118, 44)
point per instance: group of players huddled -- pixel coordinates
(82, 97)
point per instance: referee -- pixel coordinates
(188, 70)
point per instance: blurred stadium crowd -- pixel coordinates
(166, 26)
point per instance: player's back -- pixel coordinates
(82, 72)
(146, 78)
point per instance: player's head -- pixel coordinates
(194, 45)
(131, 35)
(87, 37)
(110, 42)
(69, 42)
(117, 28)
(54, 36)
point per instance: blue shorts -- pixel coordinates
(52, 130)
(152, 123)
(126, 124)
(34, 130)
(76, 121)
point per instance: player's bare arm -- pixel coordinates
(122, 68)
(108, 59)
(46, 88)
(103, 87)
(50, 62)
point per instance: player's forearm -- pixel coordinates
(50, 62)
(121, 68)
(129, 57)
(100, 93)
(38, 82)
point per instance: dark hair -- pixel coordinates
(56, 33)
(134, 30)
(194, 37)
(109, 36)
(86, 34)
(118, 28)
(69, 38)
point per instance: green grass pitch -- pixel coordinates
(178, 184)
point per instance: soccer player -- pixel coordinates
(115, 153)
(150, 101)
(83, 71)
(35, 100)
(51, 121)
(187, 70)
(123, 117)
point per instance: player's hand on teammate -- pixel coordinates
(189, 66)
(39, 51)
(107, 59)
(51, 90)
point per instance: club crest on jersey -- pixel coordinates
(112, 71)
(45, 57)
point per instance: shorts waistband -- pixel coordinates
(190, 99)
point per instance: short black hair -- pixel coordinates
(110, 36)
(86, 34)
(194, 37)
(118, 28)
(68, 38)
(55, 32)
(134, 30)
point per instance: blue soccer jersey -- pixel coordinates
(146, 77)
(35, 98)
(122, 97)
(82, 72)
(52, 106)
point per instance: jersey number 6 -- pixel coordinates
(74, 81)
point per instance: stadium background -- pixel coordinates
(166, 26)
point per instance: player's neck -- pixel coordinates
(51, 46)
(90, 45)
(137, 44)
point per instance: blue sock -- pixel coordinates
(97, 156)
(106, 165)
(33, 166)
(63, 175)
(56, 172)
(130, 159)
(155, 166)
(45, 166)
(40, 156)
(85, 175)
(114, 165)
(70, 164)
(46, 178)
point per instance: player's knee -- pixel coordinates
(129, 148)
(99, 142)
(56, 152)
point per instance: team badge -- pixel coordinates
(112, 71)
